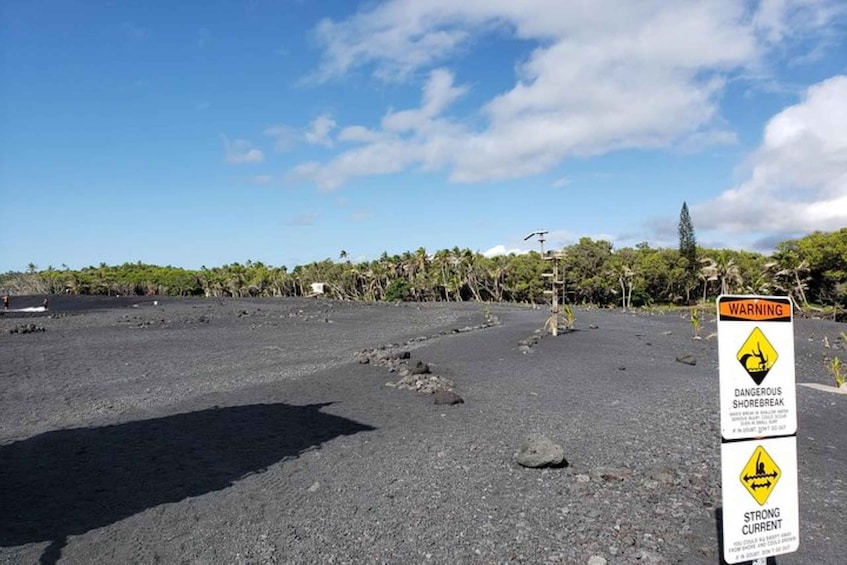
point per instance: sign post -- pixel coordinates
(758, 427)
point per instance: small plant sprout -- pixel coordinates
(570, 317)
(836, 368)
(695, 322)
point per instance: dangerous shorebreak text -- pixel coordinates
(753, 397)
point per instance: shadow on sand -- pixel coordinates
(69, 482)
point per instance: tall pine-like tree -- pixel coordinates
(688, 247)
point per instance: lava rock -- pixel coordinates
(687, 359)
(448, 397)
(538, 450)
(27, 329)
(419, 368)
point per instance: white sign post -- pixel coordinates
(758, 427)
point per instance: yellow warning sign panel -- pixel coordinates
(757, 356)
(760, 475)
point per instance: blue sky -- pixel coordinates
(203, 133)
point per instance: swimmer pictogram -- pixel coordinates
(760, 475)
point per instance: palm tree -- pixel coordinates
(723, 270)
(708, 273)
(625, 276)
(791, 280)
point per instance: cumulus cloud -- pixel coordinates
(798, 175)
(240, 151)
(603, 76)
(319, 130)
(503, 250)
(285, 137)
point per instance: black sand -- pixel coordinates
(243, 431)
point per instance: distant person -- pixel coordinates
(44, 304)
(5, 302)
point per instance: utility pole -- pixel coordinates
(557, 284)
(541, 240)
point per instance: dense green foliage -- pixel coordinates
(812, 269)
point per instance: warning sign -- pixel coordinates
(758, 427)
(760, 475)
(757, 356)
(760, 515)
(756, 366)
(754, 308)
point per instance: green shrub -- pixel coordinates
(399, 289)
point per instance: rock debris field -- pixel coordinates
(311, 431)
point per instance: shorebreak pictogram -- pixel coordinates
(757, 356)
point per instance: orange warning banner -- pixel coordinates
(750, 309)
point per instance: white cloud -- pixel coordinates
(553, 239)
(360, 134)
(438, 93)
(503, 250)
(778, 20)
(603, 76)
(798, 175)
(285, 137)
(240, 151)
(316, 133)
(319, 130)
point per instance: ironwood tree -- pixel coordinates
(688, 248)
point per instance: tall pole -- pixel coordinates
(541, 239)
(554, 307)
(556, 284)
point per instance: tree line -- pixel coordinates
(811, 269)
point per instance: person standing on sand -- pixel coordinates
(5, 302)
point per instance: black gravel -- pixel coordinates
(245, 431)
